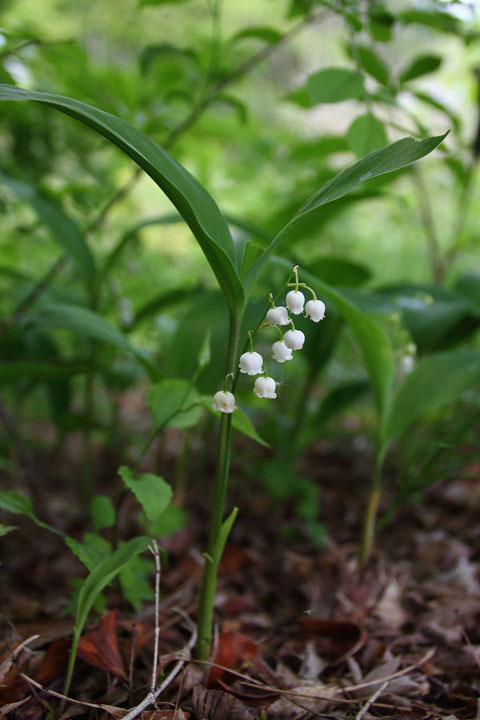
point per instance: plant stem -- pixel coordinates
(209, 583)
(71, 664)
(370, 519)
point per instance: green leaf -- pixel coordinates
(223, 536)
(205, 352)
(62, 229)
(102, 575)
(151, 491)
(340, 271)
(170, 402)
(430, 100)
(15, 503)
(260, 32)
(373, 64)
(20, 505)
(82, 321)
(330, 85)
(397, 155)
(190, 198)
(102, 512)
(436, 381)
(5, 529)
(437, 20)
(150, 53)
(365, 135)
(240, 420)
(421, 65)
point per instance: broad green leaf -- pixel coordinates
(151, 491)
(62, 229)
(150, 53)
(190, 198)
(330, 85)
(89, 555)
(421, 66)
(10, 372)
(82, 321)
(437, 20)
(5, 529)
(260, 32)
(102, 575)
(340, 271)
(15, 503)
(240, 421)
(395, 156)
(174, 403)
(436, 381)
(102, 512)
(373, 64)
(380, 23)
(161, 302)
(366, 134)
(20, 505)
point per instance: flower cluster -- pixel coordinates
(251, 362)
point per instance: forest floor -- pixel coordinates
(301, 632)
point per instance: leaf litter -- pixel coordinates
(302, 632)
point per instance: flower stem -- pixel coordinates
(213, 556)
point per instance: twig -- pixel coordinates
(156, 554)
(56, 694)
(363, 711)
(152, 696)
(8, 662)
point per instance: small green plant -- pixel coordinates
(236, 268)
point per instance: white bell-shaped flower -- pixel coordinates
(294, 339)
(278, 316)
(264, 387)
(224, 401)
(251, 363)
(280, 352)
(315, 310)
(295, 301)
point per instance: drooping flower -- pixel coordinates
(264, 387)
(281, 352)
(278, 316)
(315, 310)
(224, 401)
(295, 301)
(294, 339)
(251, 363)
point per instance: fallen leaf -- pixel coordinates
(53, 662)
(99, 647)
(218, 705)
(234, 651)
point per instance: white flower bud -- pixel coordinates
(280, 352)
(294, 339)
(295, 301)
(224, 401)
(264, 387)
(405, 365)
(315, 310)
(278, 316)
(251, 363)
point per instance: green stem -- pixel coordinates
(371, 512)
(212, 558)
(70, 666)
